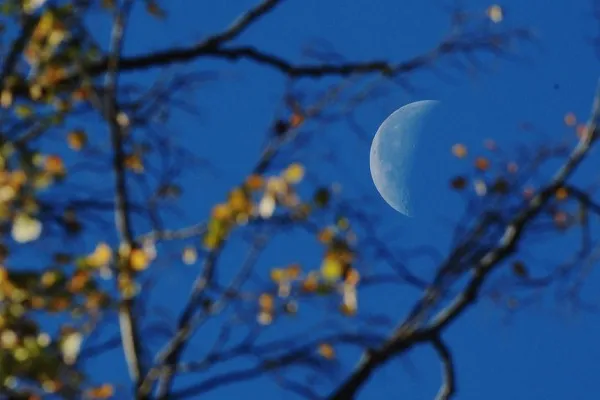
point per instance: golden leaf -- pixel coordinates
(311, 283)
(77, 139)
(25, 229)
(266, 302)
(296, 120)
(134, 163)
(294, 173)
(326, 235)
(22, 111)
(570, 119)
(326, 351)
(54, 165)
(459, 150)
(221, 211)
(561, 193)
(331, 268)
(101, 256)
(138, 260)
(189, 256)
(102, 392)
(278, 275)
(255, 182)
(495, 13)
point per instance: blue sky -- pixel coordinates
(542, 352)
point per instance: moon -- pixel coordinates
(403, 157)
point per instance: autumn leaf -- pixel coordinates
(296, 120)
(459, 150)
(495, 13)
(138, 260)
(189, 256)
(326, 351)
(331, 268)
(255, 182)
(267, 205)
(77, 139)
(134, 163)
(101, 256)
(266, 302)
(102, 392)
(294, 173)
(70, 345)
(570, 119)
(26, 229)
(482, 164)
(561, 193)
(54, 165)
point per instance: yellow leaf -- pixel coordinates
(189, 255)
(221, 211)
(310, 284)
(459, 150)
(267, 206)
(138, 260)
(77, 139)
(278, 275)
(23, 111)
(331, 268)
(54, 165)
(70, 345)
(495, 13)
(102, 392)
(326, 235)
(294, 173)
(101, 256)
(266, 302)
(326, 351)
(25, 229)
(134, 163)
(6, 98)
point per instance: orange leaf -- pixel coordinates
(482, 163)
(570, 119)
(561, 193)
(326, 351)
(459, 150)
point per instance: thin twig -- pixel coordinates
(448, 387)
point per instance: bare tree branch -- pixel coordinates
(448, 387)
(128, 326)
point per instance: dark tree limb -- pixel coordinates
(448, 387)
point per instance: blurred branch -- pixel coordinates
(128, 325)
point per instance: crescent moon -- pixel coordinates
(397, 153)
